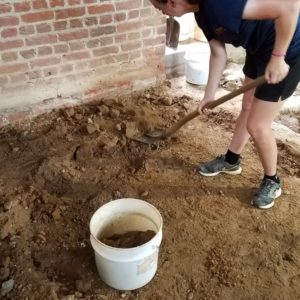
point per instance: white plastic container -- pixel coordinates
(126, 268)
(197, 63)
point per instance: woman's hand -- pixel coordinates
(203, 102)
(276, 70)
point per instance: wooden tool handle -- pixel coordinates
(253, 84)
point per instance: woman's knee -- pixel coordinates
(257, 129)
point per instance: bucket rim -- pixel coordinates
(159, 232)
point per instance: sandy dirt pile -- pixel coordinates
(59, 168)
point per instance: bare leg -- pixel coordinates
(259, 126)
(241, 135)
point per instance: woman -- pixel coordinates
(269, 30)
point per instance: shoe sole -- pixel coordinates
(233, 172)
(278, 193)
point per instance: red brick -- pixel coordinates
(106, 40)
(61, 25)
(21, 7)
(45, 50)
(52, 71)
(39, 4)
(146, 32)
(100, 9)
(17, 78)
(76, 23)
(15, 68)
(27, 30)
(9, 21)
(77, 56)
(66, 68)
(77, 45)
(135, 54)
(145, 12)
(105, 19)
(124, 27)
(27, 54)
(40, 40)
(61, 48)
(154, 41)
(9, 32)
(69, 13)
(89, 1)
(76, 35)
(11, 44)
(106, 50)
(103, 30)
(134, 35)
(133, 14)
(44, 27)
(122, 57)
(34, 74)
(161, 29)
(3, 80)
(120, 38)
(5, 8)
(38, 16)
(74, 2)
(55, 3)
(93, 43)
(42, 62)
(128, 5)
(120, 17)
(131, 46)
(9, 56)
(91, 21)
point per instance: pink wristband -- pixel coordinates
(278, 54)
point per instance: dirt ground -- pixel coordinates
(59, 168)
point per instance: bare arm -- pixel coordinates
(285, 14)
(217, 62)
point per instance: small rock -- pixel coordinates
(4, 270)
(16, 149)
(186, 106)
(190, 296)
(78, 117)
(90, 121)
(103, 109)
(144, 194)
(8, 205)
(83, 286)
(221, 193)
(78, 294)
(286, 192)
(7, 286)
(90, 128)
(68, 297)
(167, 100)
(119, 127)
(123, 295)
(117, 194)
(3, 234)
(114, 113)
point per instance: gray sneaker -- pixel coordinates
(268, 191)
(219, 165)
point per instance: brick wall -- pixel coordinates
(63, 52)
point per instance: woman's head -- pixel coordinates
(175, 8)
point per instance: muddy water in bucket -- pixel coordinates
(133, 267)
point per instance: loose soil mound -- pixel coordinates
(59, 168)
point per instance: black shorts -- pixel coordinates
(254, 67)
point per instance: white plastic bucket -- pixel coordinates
(126, 268)
(197, 63)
